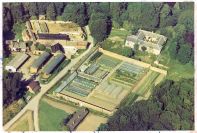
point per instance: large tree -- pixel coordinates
(75, 12)
(33, 9)
(18, 12)
(98, 29)
(51, 12)
(12, 87)
(184, 53)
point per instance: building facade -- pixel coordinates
(146, 41)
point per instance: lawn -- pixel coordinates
(50, 117)
(176, 70)
(121, 33)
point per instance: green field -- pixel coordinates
(176, 70)
(120, 33)
(50, 117)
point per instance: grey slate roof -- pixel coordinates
(77, 118)
(18, 60)
(50, 66)
(40, 60)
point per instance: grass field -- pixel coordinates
(122, 34)
(50, 117)
(176, 70)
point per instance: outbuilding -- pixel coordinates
(52, 65)
(77, 119)
(17, 62)
(33, 87)
(39, 62)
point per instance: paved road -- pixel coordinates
(34, 102)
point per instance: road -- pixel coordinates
(34, 102)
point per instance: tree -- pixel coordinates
(13, 88)
(18, 12)
(98, 29)
(167, 17)
(7, 20)
(186, 18)
(75, 12)
(51, 12)
(33, 9)
(41, 47)
(184, 53)
(42, 7)
(143, 48)
(59, 6)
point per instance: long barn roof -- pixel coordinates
(18, 60)
(50, 66)
(39, 61)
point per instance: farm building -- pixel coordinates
(29, 31)
(52, 64)
(15, 63)
(57, 47)
(39, 62)
(77, 119)
(152, 42)
(53, 36)
(33, 87)
(18, 46)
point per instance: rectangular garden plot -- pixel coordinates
(107, 62)
(80, 86)
(127, 74)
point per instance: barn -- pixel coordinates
(39, 62)
(52, 65)
(17, 62)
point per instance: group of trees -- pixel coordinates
(171, 107)
(13, 87)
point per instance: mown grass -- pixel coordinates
(118, 32)
(50, 118)
(176, 70)
(22, 126)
